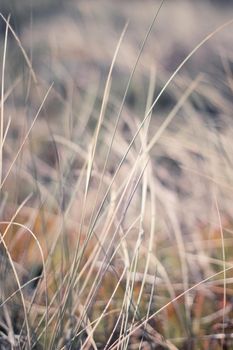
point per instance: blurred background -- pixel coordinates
(71, 44)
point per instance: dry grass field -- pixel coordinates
(116, 175)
